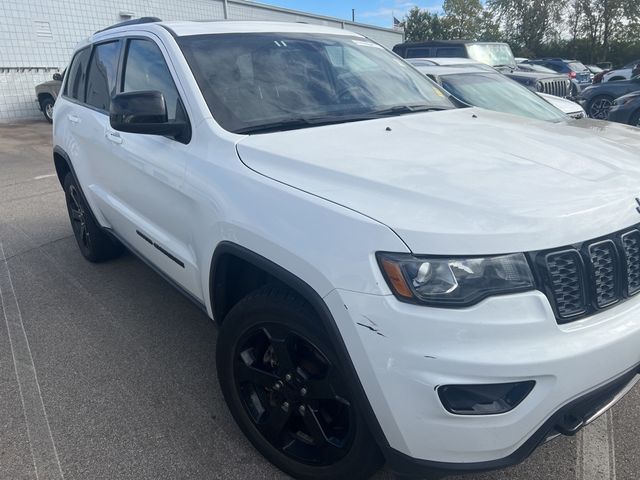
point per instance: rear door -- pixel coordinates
(100, 86)
(141, 183)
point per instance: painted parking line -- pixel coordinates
(43, 449)
(40, 177)
(596, 450)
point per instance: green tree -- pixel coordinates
(489, 28)
(462, 19)
(528, 23)
(422, 25)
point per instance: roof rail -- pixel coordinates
(135, 21)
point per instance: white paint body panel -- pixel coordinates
(624, 73)
(320, 202)
(566, 106)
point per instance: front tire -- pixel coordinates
(95, 245)
(635, 119)
(599, 107)
(47, 108)
(287, 392)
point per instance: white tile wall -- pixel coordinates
(37, 37)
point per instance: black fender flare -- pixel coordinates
(321, 309)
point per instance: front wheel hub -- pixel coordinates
(294, 395)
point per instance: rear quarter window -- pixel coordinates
(418, 52)
(451, 52)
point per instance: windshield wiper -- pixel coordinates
(300, 122)
(402, 109)
(289, 124)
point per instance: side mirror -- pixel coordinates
(57, 77)
(142, 112)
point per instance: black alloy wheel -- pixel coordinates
(287, 391)
(78, 217)
(93, 242)
(599, 107)
(293, 395)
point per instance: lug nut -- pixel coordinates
(288, 377)
(277, 385)
(302, 409)
(303, 391)
(285, 406)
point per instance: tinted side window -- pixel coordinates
(418, 52)
(101, 83)
(450, 52)
(74, 87)
(146, 69)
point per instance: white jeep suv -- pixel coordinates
(394, 279)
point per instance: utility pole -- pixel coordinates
(353, 14)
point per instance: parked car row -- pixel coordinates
(495, 54)
(599, 99)
(480, 85)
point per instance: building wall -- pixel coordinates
(37, 37)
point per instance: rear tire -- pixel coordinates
(287, 392)
(95, 245)
(599, 107)
(47, 108)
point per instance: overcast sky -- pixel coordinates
(376, 12)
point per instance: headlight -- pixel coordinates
(454, 282)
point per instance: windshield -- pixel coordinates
(577, 67)
(494, 54)
(259, 82)
(494, 91)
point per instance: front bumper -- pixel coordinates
(402, 353)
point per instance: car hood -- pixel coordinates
(567, 106)
(533, 75)
(465, 181)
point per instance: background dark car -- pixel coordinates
(626, 109)
(574, 69)
(495, 54)
(598, 99)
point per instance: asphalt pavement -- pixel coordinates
(107, 372)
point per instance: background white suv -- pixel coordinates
(394, 278)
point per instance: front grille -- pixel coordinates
(577, 115)
(567, 284)
(584, 278)
(554, 87)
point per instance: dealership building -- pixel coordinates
(37, 37)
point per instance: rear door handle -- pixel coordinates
(113, 137)
(73, 118)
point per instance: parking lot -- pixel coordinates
(107, 372)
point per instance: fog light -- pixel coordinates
(484, 399)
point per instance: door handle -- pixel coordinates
(113, 137)
(73, 118)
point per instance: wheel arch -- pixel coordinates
(62, 164)
(228, 254)
(228, 250)
(42, 96)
